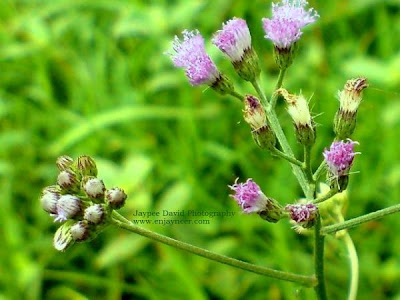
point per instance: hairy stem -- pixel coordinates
(327, 196)
(274, 97)
(121, 222)
(287, 157)
(353, 260)
(360, 220)
(319, 261)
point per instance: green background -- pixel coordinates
(90, 77)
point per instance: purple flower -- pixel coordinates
(340, 156)
(190, 54)
(234, 39)
(303, 214)
(249, 196)
(288, 18)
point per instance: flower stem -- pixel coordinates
(353, 260)
(319, 260)
(362, 219)
(287, 157)
(307, 164)
(118, 220)
(327, 196)
(274, 97)
(236, 95)
(277, 129)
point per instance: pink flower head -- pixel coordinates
(288, 18)
(302, 213)
(190, 54)
(249, 196)
(340, 156)
(234, 39)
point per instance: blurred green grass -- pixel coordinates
(90, 77)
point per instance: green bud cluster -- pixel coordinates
(80, 200)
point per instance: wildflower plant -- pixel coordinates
(84, 206)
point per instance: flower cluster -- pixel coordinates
(80, 200)
(234, 40)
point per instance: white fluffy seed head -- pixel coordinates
(95, 214)
(80, 231)
(94, 188)
(68, 207)
(49, 199)
(116, 197)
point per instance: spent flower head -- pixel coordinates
(254, 113)
(350, 97)
(340, 156)
(288, 19)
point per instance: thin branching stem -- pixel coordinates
(332, 192)
(290, 159)
(360, 220)
(121, 222)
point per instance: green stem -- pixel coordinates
(327, 196)
(277, 129)
(287, 157)
(320, 171)
(286, 276)
(353, 260)
(274, 97)
(307, 164)
(360, 220)
(319, 260)
(236, 95)
(256, 85)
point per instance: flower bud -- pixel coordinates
(80, 231)
(303, 214)
(349, 99)
(64, 162)
(49, 198)
(94, 188)
(115, 198)
(68, 207)
(252, 200)
(302, 120)
(68, 180)
(95, 214)
(62, 238)
(87, 166)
